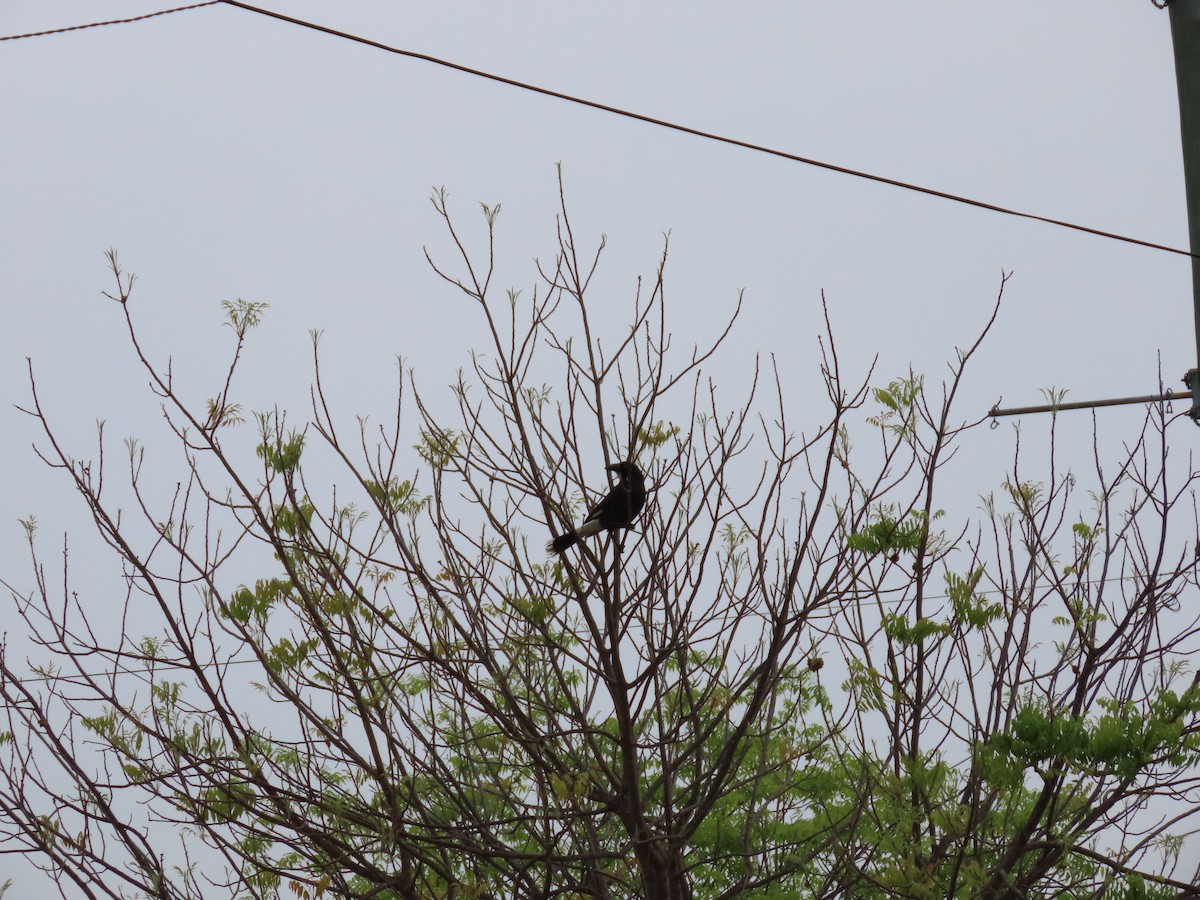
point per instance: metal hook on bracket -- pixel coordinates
(992, 412)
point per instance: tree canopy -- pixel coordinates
(344, 664)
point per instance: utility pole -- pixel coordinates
(1185, 36)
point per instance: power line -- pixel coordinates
(161, 12)
(758, 148)
(640, 117)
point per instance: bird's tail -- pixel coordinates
(562, 542)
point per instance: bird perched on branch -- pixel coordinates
(617, 510)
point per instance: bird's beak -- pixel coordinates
(612, 468)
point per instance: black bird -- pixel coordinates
(617, 510)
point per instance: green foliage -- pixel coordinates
(119, 731)
(286, 654)
(282, 455)
(1026, 495)
(896, 627)
(396, 496)
(899, 401)
(890, 536)
(1123, 741)
(490, 213)
(246, 605)
(782, 796)
(243, 314)
(538, 610)
(225, 803)
(971, 611)
(1135, 887)
(437, 448)
(657, 434)
(1085, 538)
(865, 685)
(293, 520)
(537, 397)
(222, 414)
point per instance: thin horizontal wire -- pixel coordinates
(758, 148)
(662, 123)
(167, 666)
(161, 12)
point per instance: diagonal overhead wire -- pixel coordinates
(695, 132)
(161, 12)
(650, 120)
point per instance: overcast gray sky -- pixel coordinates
(224, 154)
